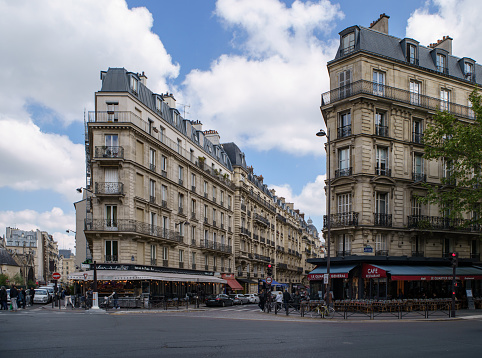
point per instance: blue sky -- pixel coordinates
(252, 69)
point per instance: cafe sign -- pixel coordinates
(370, 271)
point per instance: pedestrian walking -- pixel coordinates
(23, 294)
(3, 298)
(279, 301)
(68, 298)
(286, 300)
(262, 300)
(32, 294)
(14, 297)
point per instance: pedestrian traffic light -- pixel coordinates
(455, 259)
(270, 270)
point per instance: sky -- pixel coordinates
(253, 70)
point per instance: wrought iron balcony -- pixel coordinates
(344, 131)
(428, 223)
(193, 188)
(165, 263)
(419, 177)
(417, 137)
(164, 173)
(181, 265)
(384, 220)
(381, 252)
(193, 266)
(383, 171)
(261, 219)
(392, 93)
(111, 258)
(381, 131)
(109, 188)
(152, 167)
(164, 203)
(243, 207)
(153, 262)
(417, 253)
(109, 152)
(341, 220)
(343, 253)
(343, 172)
(213, 245)
(152, 199)
(281, 266)
(128, 225)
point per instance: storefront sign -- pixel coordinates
(368, 249)
(133, 267)
(370, 271)
(321, 276)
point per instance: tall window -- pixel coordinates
(152, 191)
(158, 104)
(153, 255)
(214, 193)
(343, 162)
(162, 131)
(414, 92)
(112, 112)
(412, 54)
(382, 161)
(344, 124)
(469, 71)
(164, 195)
(470, 111)
(111, 216)
(179, 146)
(181, 202)
(134, 85)
(344, 203)
(165, 254)
(378, 83)
(348, 43)
(193, 181)
(416, 207)
(381, 203)
(441, 63)
(193, 207)
(417, 131)
(448, 167)
(152, 159)
(418, 172)
(344, 245)
(205, 188)
(181, 175)
(111, 250)
(381, 124)
(111, 140)
(164, 166)
(444, 99)
(181, 256)
(381, 245)
(344, 84)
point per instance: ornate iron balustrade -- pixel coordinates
(109, 188)
(381, 252)
(153, 262)
(111, 258)
(243, 207)
(282, 266)
(417, 137)
(342, 219)
(392, 93)
(344, 131)
(383, 171)
(255, 237)
(384, 220)
(261, 219)
(213, 245)
(128, 225)
(381, 131)
(152, 167)
(423, 222)
(343, 172)
(419, 177)
(109, 152)
(343, 253)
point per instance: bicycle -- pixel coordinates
(323, 311)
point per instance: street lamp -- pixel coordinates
(322, 133)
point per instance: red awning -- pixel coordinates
(370, 271)
(234, 284)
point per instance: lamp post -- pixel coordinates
(322, 133)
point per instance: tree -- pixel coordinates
(3, 279)
(18, 279)
(458, 143)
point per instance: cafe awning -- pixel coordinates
(275, 283)
(233, 284)
(131, 275)
(340, 271)
(428, 273)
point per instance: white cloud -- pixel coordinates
(310, 201)
(55, 222)
(269, 97)
(458, 19)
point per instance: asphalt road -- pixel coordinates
(233, 332)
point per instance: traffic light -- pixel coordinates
(455, 259)
(270, 270)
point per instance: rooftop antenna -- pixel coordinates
(184, 109)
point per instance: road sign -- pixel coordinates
(85, 276)
(325, 279)
(56, 276)
(269, 280)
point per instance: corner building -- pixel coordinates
(162, 208)
(383, 92)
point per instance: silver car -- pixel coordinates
(41, 296)
(252, 297)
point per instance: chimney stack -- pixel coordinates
(381, 24)
(212, 136)
(169, 99)
(444, 44)
(143, 78)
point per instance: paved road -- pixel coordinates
(239, 331)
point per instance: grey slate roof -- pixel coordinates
(6, 258)
(385, 45)
(236, 156)
(65, 253)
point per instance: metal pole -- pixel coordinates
(328, 290)
(453, 291)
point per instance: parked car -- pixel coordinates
(239, 299)
(41, 296)
(252, 297)
(219, 300)
(50, 291)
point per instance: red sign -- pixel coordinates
(370, 271)
(269, 280)
(56, 276)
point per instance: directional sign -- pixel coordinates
(269, 280)
(56, 276)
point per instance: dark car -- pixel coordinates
(219, 300)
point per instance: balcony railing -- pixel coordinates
(419, 177)
(111, 258)
(381, 131)
(152, 167)
(423, 222)
(193, 188)
(112, 188)
(165, 263)
(343, 253)
(392, 93)
(417, 253)
(109, 152)
(417, 137)
(475, 256)
(153, 262)
(261, 219)
(213, 245)
(282, 266)
(344, 131)
(152, 199)
(243, 207)
(383, 171)
(342, 220)
(128, 225)
(381, 252)
(343, 172)
(384, 220)
(164, 203)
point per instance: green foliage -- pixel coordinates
(3, 279)
(18, 279)
(31, 284)
(457, 142)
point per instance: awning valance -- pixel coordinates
(429, 273)
(122, 275)
(335, 272)
(234, 284)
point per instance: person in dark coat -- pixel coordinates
(286, 300)
(3, 298)
(14, 297)
(24, 297)
(32, 294)
(262, 300)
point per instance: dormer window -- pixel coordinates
(442, 63)
(348, 44)
(158, 104)
(469, 71)
(134, 85)
(412, 54)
